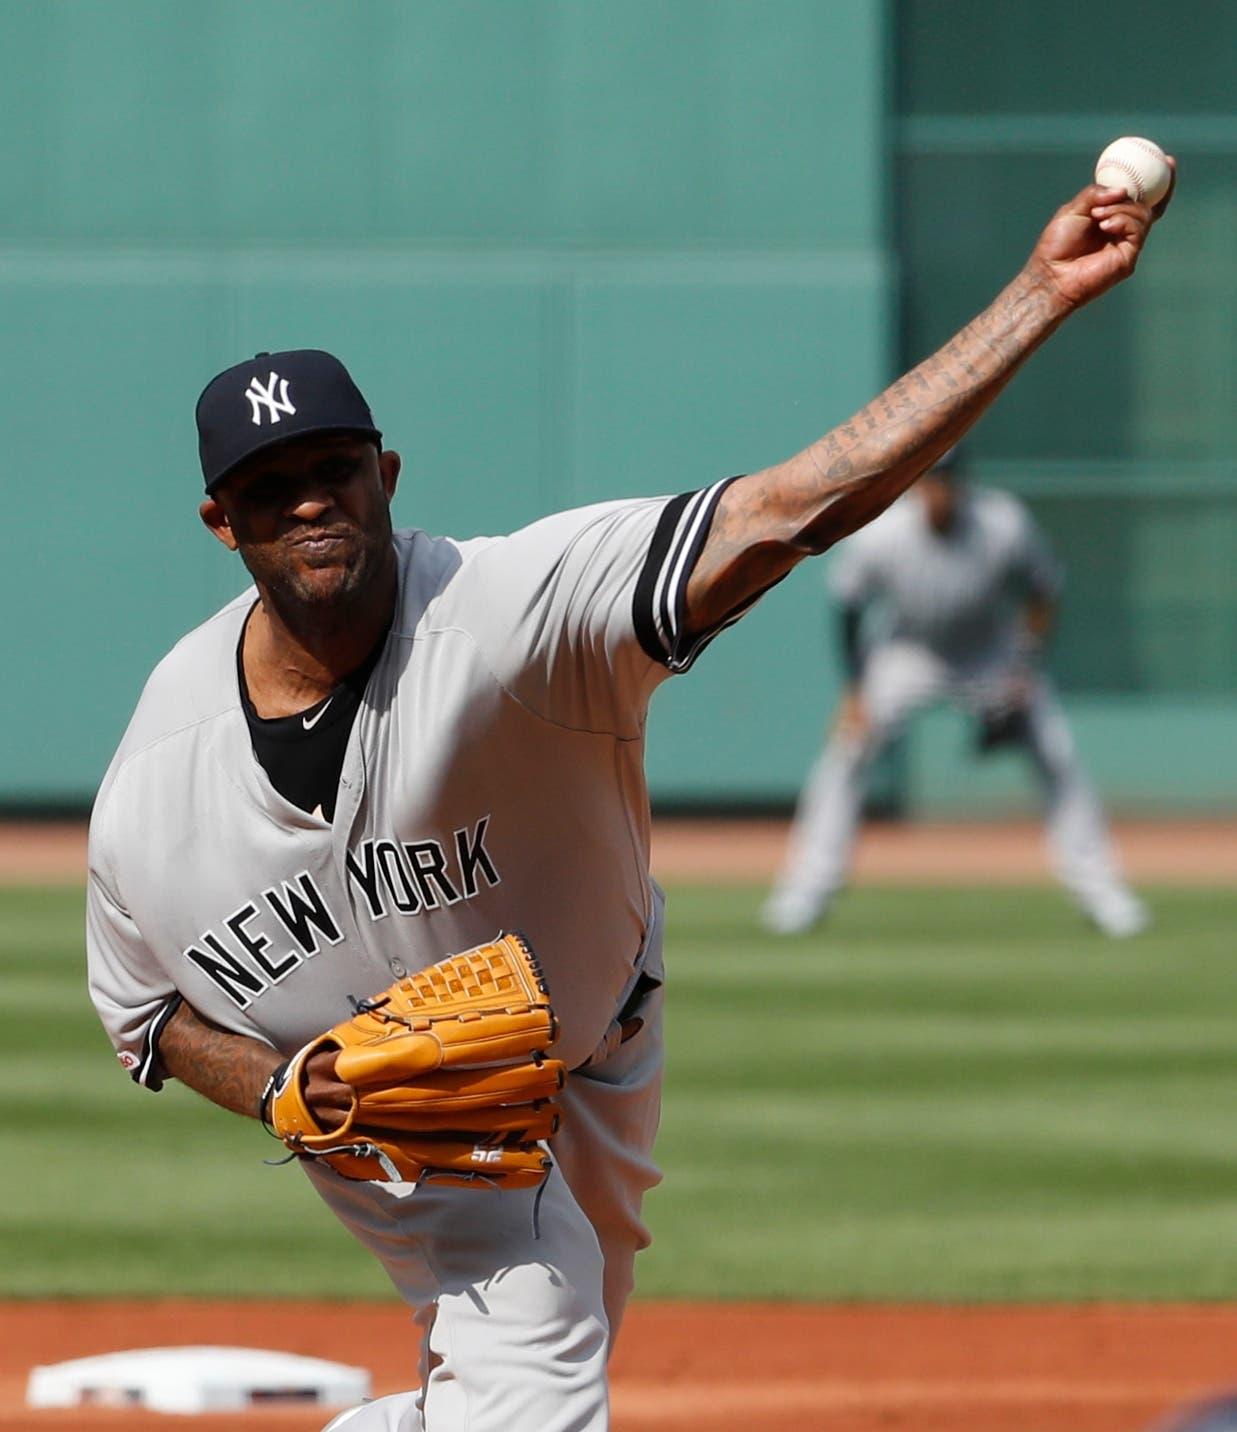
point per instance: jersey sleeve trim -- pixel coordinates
(149, 1071)
(660, 597)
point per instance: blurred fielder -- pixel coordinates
(948, 597)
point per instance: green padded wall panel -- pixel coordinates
(571, 249)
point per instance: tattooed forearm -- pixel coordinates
(769, 521)
(228, 1069)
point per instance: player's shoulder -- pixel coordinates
(556, 530)
(432, 570)
(999, 504)
(1001, 512)
(192, 687)
(861, 565)
(187, 678)
(886, 532)
(426, 565)
(434, 560)
(434, 567)
(194, 682)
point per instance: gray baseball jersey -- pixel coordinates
(959, 594)
(493, 779)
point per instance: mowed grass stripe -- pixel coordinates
(970, 1254)
(1167, 1125)
(954, 1094)
(943, 1094)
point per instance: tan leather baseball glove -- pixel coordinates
(449, 1077)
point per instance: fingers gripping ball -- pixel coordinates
(448, 1075)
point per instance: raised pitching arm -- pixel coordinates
(769, 521)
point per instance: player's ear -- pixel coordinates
(388, 468)
(216, 521)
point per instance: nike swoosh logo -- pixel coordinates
(309, 722)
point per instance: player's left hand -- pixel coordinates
(1093, 241)
(441, 1076)
(328, 1098)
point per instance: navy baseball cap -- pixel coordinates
(273, 397)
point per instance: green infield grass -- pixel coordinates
(951, 1094)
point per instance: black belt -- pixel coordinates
(629, 1021)
(645, 985)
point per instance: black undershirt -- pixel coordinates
(303, 754)
(852, 653)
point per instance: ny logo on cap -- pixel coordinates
(259, 395)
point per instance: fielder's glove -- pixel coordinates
(449, 1077)
(996, 729)
(1004, 718)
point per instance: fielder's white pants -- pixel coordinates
(900, 679)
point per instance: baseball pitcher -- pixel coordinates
(372, 861)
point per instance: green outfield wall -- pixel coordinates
(1122, 433)
(577, 249)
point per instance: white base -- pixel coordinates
(197, 1379)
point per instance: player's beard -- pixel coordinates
(325, 588)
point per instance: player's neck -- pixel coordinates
(294, 657)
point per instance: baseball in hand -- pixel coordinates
(1136, 165)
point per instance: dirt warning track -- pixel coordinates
(1171, 852)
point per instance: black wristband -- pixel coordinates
(852, 655)
(264, 1099)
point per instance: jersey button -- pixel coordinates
(398, 969)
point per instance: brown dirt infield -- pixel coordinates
(1170, 852)
(1184, 852)
(712, 1368)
